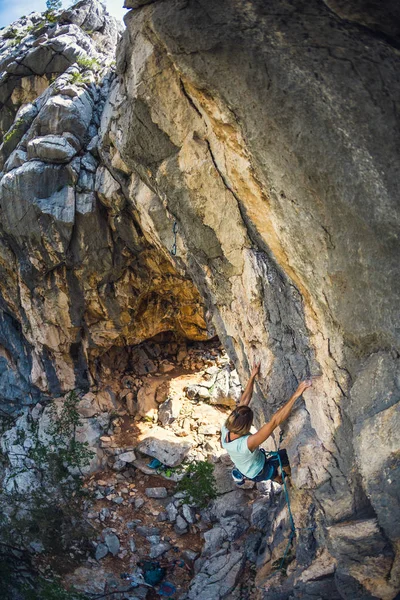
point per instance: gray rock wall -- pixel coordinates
(268, 133)
(78, 273)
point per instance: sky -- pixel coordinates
(11, 10)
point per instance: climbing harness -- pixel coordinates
(175, 231)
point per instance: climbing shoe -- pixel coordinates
(238, 477)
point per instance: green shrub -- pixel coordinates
(78, 78)
(64, 451)
(13, 131)
(56, 503)
(50, 17)
(10, 34)
(88, 63)
(17, 39)
(52, 7)
(51, 512)
(198, 484)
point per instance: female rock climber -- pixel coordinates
(250, 461)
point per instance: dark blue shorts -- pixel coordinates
(270, 468)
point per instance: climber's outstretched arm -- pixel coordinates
(253, 441)
(248, 390)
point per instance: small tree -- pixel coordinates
(198, 484)
(54, 505)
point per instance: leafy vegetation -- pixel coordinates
(78, 78)
(198, 484)
(15, 35)
(10, 34)
(88, 63)
(64, 452)
(13, 131)
(49, 514)
(52, 7)
(169, 471)
(54, 505)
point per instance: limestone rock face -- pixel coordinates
(238, 176)
(260, 129)
(77, 271)
(382, 16)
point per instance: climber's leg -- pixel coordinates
(237, 476)
(272, 467)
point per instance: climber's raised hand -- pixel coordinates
(304, 385)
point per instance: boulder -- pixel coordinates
(234, 526)
(16, 159)
(165, 446)
(65, 114)
(219, 392)
(87, 15)
(235, 388)
(159, 549)
(139, 502)
(188, 514)
(190, 554)
(127, 457)
(223, 478)
(147, 405)
(88, 407)
(156, 492)
(51, 148)
(180, 526)
(112, 542)
(172, 512)
(106, 400)
(205, 414)
(210, 429)
(101, 551)
(145, 531)
(232, 503)
(38, 59)
(169, 410)
(141, 363)
(203, 392)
